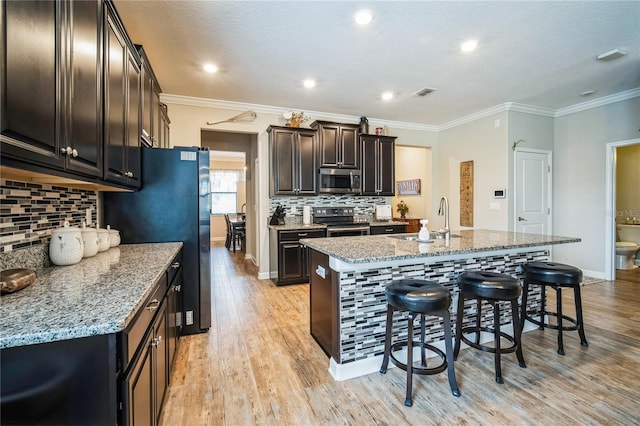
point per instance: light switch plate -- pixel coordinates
(494, 206)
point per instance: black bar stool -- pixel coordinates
(494, 288)
(419, 297)
(557, 276)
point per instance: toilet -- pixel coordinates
(627, 246)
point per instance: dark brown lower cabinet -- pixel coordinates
(146, 383)
(293, 256)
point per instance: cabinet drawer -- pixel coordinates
(134, 333)
(298, 234)
(173, 270)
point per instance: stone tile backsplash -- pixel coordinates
(30, 211)
(364, 206)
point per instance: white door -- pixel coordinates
(533, 191)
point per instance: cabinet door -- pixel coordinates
(306, 162)
(386, 166)
(156, 116)
(116, 58)
(31, 81)
(161, 360)
(133, 154)
(329, 135)
(283, 150)
(139, 388)
(147, 100)
(349, 146)
(84, 110)
(291, 262)
(369, 161)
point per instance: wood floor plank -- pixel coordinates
(259, 365)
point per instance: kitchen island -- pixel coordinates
(348, 276)
(85, 343)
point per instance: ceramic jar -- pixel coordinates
(114, 237)
(66, 246)
(90, 240)
(103, 240)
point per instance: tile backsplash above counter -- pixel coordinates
(364, 207)
(30, 211)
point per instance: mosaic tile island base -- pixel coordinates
(361, 267)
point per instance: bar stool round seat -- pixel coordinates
(493, 288)
(419, 298)
(557, 276)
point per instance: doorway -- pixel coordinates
(236, 144)
(533, 191)
(611, 205)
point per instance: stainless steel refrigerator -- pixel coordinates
(174, 204)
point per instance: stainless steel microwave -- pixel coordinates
(339, 181)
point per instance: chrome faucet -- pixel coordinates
(444, 211)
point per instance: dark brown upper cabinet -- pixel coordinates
(151, 114)
(378, 170)
(122, 104)
(51, 84)
(293, 161)
(338, 145)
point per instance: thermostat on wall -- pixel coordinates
(499, 193)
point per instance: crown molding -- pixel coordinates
(530, 109)
(317, 115)
(605, 100)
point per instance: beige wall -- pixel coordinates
(579, 160)
(414, 163)
(487, 145)
(628, 182)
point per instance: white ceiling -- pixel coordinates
(538, 53)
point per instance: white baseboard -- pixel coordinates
(264, 275)
(593, 274)
(341, 372)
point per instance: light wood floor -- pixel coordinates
(259, 365)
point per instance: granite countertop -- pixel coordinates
(97, 296)
(378, 248)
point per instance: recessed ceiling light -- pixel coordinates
(587, 93)
(469, 46)
(309, 83)
(363, 17)
(210, 68)
(387, 96)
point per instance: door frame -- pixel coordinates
(610, 206)
(549, 155)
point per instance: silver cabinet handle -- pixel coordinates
(153, 305)
(128, 174)
(74, 152)
(175, 265)
(522, 219)
(302, 234)
(156, 341)
(68, 150)
(388, 229)
(177, 288)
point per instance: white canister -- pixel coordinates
(306, 215)
(103, 240)
(90, 240)
(114, 237)
(66, 246)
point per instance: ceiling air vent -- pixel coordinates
(423, 92)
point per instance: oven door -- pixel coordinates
(347, 231)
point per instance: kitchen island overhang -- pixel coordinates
(348, 276)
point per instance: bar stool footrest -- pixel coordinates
(484, 348)
(418, 370)
(573, 321)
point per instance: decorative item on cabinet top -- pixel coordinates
(295, 119)
(245, 117)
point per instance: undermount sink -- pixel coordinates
(432, 235)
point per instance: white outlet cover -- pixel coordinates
(494, 206)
